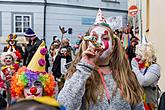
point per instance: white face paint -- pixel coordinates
(11, 42)
(104, 38)
(8, 60)
(35, 90)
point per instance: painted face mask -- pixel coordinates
(8, 60)
(11, 42)
(34, 90)
(64, 51)
(103, 39)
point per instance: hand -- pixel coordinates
(90, 52)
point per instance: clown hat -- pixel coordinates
(37, 63)
(100, 17)
(35, 71)
(29, 33)
(11, 37)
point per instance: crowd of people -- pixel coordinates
(105, 70)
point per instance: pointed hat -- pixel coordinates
(100, 17)
(37, 63)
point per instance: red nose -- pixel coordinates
(33, 90)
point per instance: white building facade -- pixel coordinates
(45, 16)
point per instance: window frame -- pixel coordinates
(22, 21)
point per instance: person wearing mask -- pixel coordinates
(13, 47)
(147, 71)
(95, 79)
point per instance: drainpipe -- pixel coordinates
(44, 24)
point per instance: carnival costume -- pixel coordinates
(147, 71)
(9, 67)
(72, 95)
(33, 80)
(13, 47)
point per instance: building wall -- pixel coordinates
(122, 4)
(157, 36)
(67, 13)
(59, 16)
(153, 19)
(7, 11)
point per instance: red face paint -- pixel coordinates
(106, 44)
(106, 32)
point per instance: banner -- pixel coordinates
(115, 22)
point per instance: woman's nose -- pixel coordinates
(99, 41)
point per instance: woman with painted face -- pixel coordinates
(100, 77)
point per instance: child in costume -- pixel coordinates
(13, 47)
(100, 77)
(9, 67)
(147, 70)
(33, 80)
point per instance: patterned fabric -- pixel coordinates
(71, 96)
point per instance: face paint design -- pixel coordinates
(34, 90)
(64, 51)
(8, 60)
(103, 38)
(11, 42)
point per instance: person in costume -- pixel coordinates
(32, 46)
(130, 50)
(13, 47)
(145, 66)
(126, 36)
(95, 79)
(33, 80)
(54, 48)
(9, 67)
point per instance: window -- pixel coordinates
(22, 22)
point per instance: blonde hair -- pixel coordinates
(146, 51)
(125, 79)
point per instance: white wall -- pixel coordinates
(6, 14)
(59, 14)
(71, 17)
(94, 3)
(157, 34)
(24, 0)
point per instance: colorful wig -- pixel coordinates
(26, 77)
